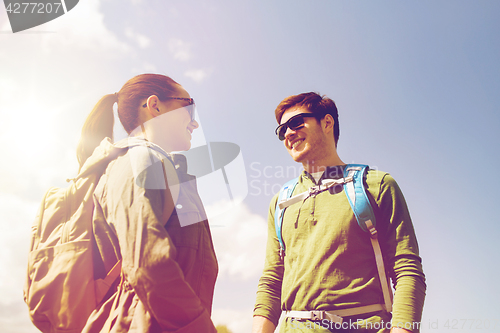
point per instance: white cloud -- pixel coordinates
(46, 77)
(16, 217)
(240, 241)
(145, 67)
(236, 321)
(8, 87)
(197, 75)
(141, 40)
(82, 28)
(32, 131)
(180, 49)
(4, 22)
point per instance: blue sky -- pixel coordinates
(416, 84)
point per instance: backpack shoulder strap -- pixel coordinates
(356, 195)
(285, 193)
(360, 204)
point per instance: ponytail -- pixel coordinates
(97, 126)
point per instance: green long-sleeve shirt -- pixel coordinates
(329, 262)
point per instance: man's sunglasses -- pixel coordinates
(294, 123)
(189, 107)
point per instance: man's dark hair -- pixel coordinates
(314, 103)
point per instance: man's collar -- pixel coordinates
(331, 172)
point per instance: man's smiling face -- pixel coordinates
(307, 143)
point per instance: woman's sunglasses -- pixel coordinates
(190, 107)
(294, 123)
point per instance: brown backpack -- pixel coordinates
(60, 289)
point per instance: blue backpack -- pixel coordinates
(356, 195)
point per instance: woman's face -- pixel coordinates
(171, 128)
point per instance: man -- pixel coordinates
(329, 264)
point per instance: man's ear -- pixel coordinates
(152, 105)
(327, 123)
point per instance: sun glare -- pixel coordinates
(32, 136)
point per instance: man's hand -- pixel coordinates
(262, 325)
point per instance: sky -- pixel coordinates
(416, 85)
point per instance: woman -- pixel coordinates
(161, 236)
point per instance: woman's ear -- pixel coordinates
(152, 105)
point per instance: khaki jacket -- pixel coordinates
(168, 272)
